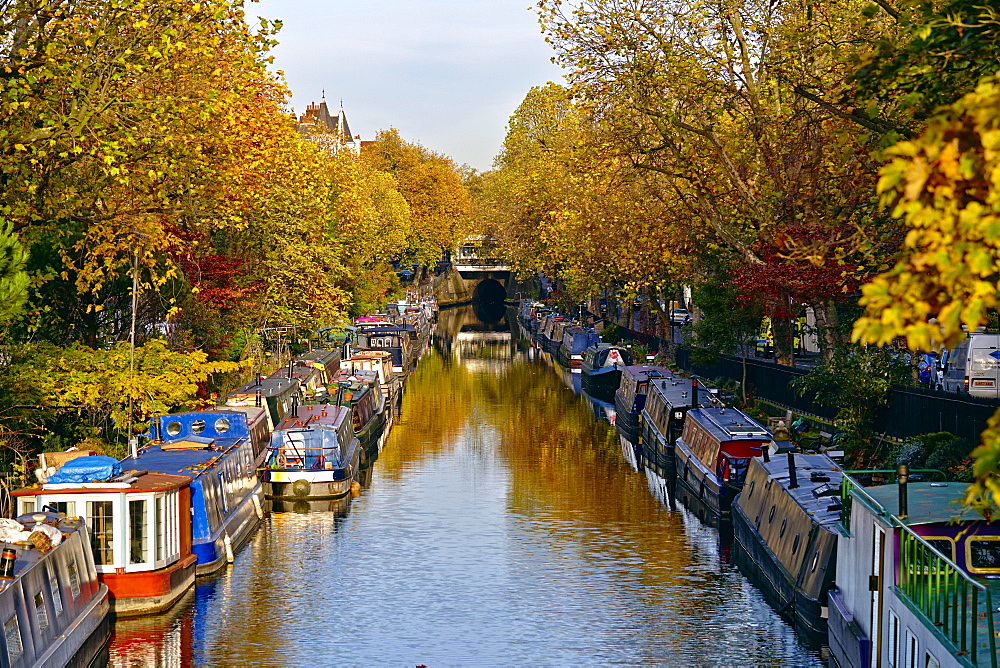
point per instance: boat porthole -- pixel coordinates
(222, 425)
(174, 428)
(750, 491)
(795, 544)
(770, 515)
(198, 426)
(784, 523)
(815, 563)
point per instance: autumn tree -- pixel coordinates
(439, 204)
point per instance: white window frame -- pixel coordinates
(171, 543)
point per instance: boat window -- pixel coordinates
(750, 490)
(12, 632)
(173, 428)
(943, 545)
(28, 506)
(54, 588)
(784, 525)
(983, 554)
(198, 426)
(41, 616)
(893, 638)
(815, 563)
(221, 425)
(795, 543)
(74, 580)
(67, 508)
(100, 521)
(930, 661)
(770, 514)
(137, 531)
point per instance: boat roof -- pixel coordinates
(815, 498)
(927, 502)
(146, 482)
(600, 345)
(728, 424)
(319, 414)
(322, 356)
(385, 329)
(268, 387)
(647, 371)
(676, 392)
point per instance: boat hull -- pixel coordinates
(304, 488)
(150, 592)
(239, 525)
(759, 563)
(601, 383)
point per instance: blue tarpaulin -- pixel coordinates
(86, 469)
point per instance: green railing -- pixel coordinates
(958, 606)
(847, 483)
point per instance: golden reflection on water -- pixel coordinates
(501, 525)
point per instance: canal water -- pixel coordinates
(501, 525)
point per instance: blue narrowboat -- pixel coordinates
(219, 449)
(575, 341)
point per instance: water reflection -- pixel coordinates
(501, 525)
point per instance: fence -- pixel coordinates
(910, 411)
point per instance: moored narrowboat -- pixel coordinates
(53, 608)
(360, 391)
(218, 450)
(324, 360)
(139, 528)
(388, 337)
(601, 369)
(380, 362)
(712, 455)
(786, 522)
(575, 341)
(314, 454)
(667, 402)
(630, 397)
(277, 394)
(922, 587)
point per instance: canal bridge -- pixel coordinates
(478, 274)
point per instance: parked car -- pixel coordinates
(679, 316)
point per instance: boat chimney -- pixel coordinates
(793, 479)
(257, 379)
(694, 391)
(257, 399)
(291, 368)
(766, 452)
(903, 471)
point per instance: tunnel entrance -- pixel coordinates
(488, 300)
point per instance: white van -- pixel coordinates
(973, 366)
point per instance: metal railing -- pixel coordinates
(847, 483)
(954, 603)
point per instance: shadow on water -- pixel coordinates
(501, 525)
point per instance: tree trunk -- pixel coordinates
(781, 326)
(832, 331)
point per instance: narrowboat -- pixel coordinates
(139, 524)
(54, 609)
(547, 331)
(922, 587)
(630, 397)
(218, 450)
(312, 387)
(786, 522)
(601, 369)
(575, 341)
(326, 361)
(360, 391)
(277, 394)
(552, 342)
(712, 455)
(314, 454)
(390, 338)
(667, 402)
(380, 362)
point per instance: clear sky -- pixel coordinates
(446, 73)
